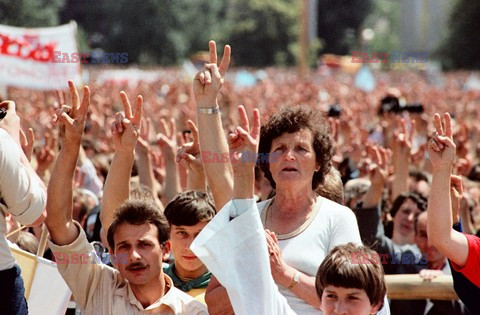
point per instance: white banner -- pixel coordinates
(27, 57)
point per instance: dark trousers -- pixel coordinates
(12, 292)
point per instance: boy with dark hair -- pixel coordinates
(188, 214)
(351, 278)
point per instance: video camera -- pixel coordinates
(391, 104)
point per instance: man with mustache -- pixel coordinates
(137, 236)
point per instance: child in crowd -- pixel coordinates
(188, 214)
(350, 280)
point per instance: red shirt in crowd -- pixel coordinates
(471, 270)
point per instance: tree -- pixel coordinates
(339, 22)
(462, 48)
(260, 31)
(150, 31)
(165, 32)
(30, 13)
(384, 20)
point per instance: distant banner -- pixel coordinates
(26, 57)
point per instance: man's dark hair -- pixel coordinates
(138, 212)
(190, 207)
(419, 200)
(293, 119)
(419, 175)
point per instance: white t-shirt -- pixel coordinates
(330, 225)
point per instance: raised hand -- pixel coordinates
(243, 142)
(207, 83)
(403, 139)
(125, 129)
(441, 147)
(27, 141)
(72, 118)
(334, 124)
(378, 169)
(167, 138)
(189, 153)
(402, 153)
(46, 155)
(143, 143)
(11, 122)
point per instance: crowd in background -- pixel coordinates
(379, 140)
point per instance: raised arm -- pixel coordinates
(59, 203)
(244, 141)
(441, 149)
(125, 131)
(206, 85)
(189, 155)
(378, 171)
(402, 146)
(167, 140)
(144, 162)
(23, 193)
(369, 214)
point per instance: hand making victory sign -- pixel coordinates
(441, 146)
(208, 82)
(125, 129)
(73, 117)
(59, 201)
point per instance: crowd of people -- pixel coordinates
(298, 201)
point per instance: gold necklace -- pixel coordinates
(297, 229)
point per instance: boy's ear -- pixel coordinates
(375, 309)
(166, 250)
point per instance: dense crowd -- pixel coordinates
(351, 185)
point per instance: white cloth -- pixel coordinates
(55, 300)
(21, 194)
(233, 247)
(235, 251)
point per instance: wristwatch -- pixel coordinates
(208, 110)
(295, 279)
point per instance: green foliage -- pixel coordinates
(151, 31)
(462, 48)
(30, 13)
(339, 23)
(261, 30)
(384, 20)
(167, 31)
